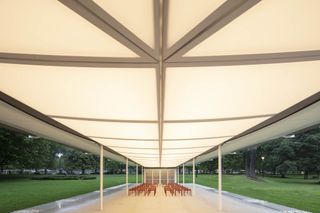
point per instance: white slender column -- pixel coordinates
(159, 176)
(127, 171)
(175, 176)
(101, 177)
(152, 176)
(137, 174)
(183, 174)
(219, 179)
(142, 174)
(167, 177)
(193, 176)
(178, 180)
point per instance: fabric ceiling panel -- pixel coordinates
(131, 144)
(142, 156)
(134, 91)
(139, 152)
(181, 22)
(208, 129)
(113, 129)
(270, 26)
(171, 152)
(181, 154)
(190, 144)
(103, 93)
(172, 163)
(178, 158)
(235, 91)
(48, 27)
(137, 16)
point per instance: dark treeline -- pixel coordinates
(298, 154)
(287, 155)
(22, 152)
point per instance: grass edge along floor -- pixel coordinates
(293, 191)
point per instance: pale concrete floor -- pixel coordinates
(204, 201)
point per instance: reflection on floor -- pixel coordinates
(204, 201)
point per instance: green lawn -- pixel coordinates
(295, 192)
(24, 193)
(292, 191)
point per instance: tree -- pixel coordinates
(251, 160)
(285, 167)
(12, 147)
(308, 152)
(80, 160)
(113, 167)
(233, 162)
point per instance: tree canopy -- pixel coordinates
(298, 154)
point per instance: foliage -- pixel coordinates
(287, 166)
(299, 154)
(11, 147)
(20, 151)
(63, 177)
(80, 160)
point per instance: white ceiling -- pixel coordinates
(100, 69)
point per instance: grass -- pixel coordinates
(293, 191)
(18, 194)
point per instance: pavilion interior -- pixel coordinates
(160, 83)
(154, 84)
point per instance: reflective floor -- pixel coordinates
(204, 201)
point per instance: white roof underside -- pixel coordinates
(99, 68)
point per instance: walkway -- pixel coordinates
(204, 201)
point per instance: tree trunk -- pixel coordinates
(306, 174)
(247, 163)
(45, 171)
(251, 160)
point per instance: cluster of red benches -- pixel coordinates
(173, 188)
(145, 189)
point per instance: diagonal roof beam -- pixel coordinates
(222, 16)
(74, 61)
(219, 119)
(102, 119)
(90, 11)
(246, 59)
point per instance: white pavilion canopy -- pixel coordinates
(160, 81)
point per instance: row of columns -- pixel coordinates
(127, 172)
(219, 177)
(183, 179)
